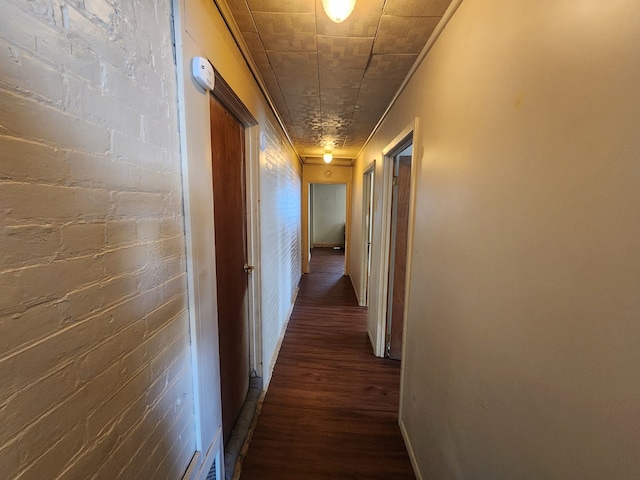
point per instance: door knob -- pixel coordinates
(248, 268)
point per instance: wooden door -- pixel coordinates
(367, 212)
(398, 255)
(227, 152)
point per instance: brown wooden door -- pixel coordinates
(398, 255)
(227, 152)
(367, 210)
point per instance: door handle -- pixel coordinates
(248, 268)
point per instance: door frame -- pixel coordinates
(398, 210)
(337, 175)
(367, 204)
(409, 135)
(195, 153)
(254, 291)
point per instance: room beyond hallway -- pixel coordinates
(331, 408)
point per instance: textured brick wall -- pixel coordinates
(280, 181)
(94, 359)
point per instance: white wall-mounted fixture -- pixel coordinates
(263, 141)
(202, 72)
(338, 10)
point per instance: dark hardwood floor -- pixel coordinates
(331, 408)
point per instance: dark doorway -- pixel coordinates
(228, 170)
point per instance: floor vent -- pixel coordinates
(212, 473)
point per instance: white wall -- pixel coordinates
(329, 214)
(280, 208)
(95, 375)
(521, 358)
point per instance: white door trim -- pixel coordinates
(399, 143)
(252, 187)
(366, 258)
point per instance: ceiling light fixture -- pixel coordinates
(338, 10)
(327, 157)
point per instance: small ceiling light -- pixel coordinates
(327, 157)
(338, 10)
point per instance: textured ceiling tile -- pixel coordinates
(294, 64)
(255, 46)
(344, 52)
(309, 136)
(245, 22)
(327, 141)
(312, 146)
(376, 90)
(416, 8)
(334, 140)
(304, 107)
(280, 103)
(389, 66)
(285, 6)
(337, 114)
(237, 5)
(363, 22)
(335, 133)
(341, 77)
(339, 96)
(404, 34)
(358, 134)
(299, 86)
(331, 83)
(242, 15)
(367, 118)
(269, 78)
(287, 32)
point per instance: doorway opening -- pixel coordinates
(327, 216)
(398, 243)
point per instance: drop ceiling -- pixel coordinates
(332, 82)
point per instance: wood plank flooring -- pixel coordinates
(331, 408)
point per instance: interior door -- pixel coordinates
(398, 254)
(228, 170)
(367, 210)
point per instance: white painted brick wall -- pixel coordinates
(280, 201)
(95, 373)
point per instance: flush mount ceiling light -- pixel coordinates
(327, 157)
(338, 10)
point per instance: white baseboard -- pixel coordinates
(200, 466)
(276, 352)
(355, 290)
(193, 467)
(412, 456)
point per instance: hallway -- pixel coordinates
(331, 408)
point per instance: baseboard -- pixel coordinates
(355, 290)
(373, 344)
(276, 351)
(192, 469)
(200, 465)
(412, 456)
(328, 245)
